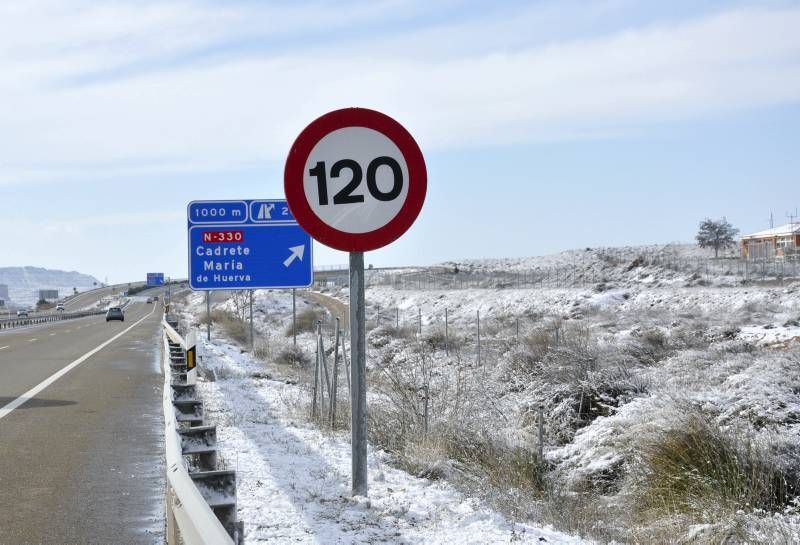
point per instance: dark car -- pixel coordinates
(115, 313)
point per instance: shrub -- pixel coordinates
(698, 469)
(435, 339)
(262, 349)
(292, 355)
(234, 328)
(305, 322)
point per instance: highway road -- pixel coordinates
(81, 431)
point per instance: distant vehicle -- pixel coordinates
(22, 313)
(149, 300)
(60, 306)
(115, 313)
(155, 298)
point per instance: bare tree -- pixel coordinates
(241, 302)
(716, 234)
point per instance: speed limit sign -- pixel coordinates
(355, 179)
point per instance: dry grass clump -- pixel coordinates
(448, 446)
(215, 316)
(436, 339)
(305, 322)
(236, 329)
(293, 356)
(262, 349)
(700, 470)
(383, 335)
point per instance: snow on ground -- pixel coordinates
(587, 255)
(294, 480)
(643, 350)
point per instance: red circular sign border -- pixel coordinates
(293, 175)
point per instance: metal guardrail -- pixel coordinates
(9, 323)
(200, 500)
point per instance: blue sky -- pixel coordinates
(545, 125)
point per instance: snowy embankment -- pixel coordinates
(669, 410)
(294, 480)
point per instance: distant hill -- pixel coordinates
(25, 282)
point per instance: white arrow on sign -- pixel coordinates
(297, 252)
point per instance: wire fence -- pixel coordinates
(478, 339)
(610, 267)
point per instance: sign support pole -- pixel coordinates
(358, 366)
(252, 339)
(208, 315)
(294, 320)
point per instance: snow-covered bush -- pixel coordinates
(699, 469)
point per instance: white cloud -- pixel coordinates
(234, 109)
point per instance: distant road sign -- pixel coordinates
(355, 179)
(247, 244)
(155, 279)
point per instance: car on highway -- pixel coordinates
(149, 300)
(60, 306)
(115, 313)
(22, 313)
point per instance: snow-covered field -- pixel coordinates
(294, 479)
(671, 414)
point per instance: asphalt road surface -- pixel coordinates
(81, 432)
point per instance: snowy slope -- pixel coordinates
(25, 282)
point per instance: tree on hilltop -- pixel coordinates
(716, 234)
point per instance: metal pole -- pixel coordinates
(294, 320)
(446, 341)
(208, 315)
(252, 338)
(419, 319)
(358, 366)
(479, 338)
(335, 385)
(541, 433)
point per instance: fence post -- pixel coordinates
(419, 319)
(397, 318)
(540, 418)
(446, 334)
(479, 338)
(425, 411)
(335, 386)
(315, 388)
(324, 364)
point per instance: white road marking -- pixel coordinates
(67, 331)
(5, 411)
(4, 347)
(32, 340)
(52, 334)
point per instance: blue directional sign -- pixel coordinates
(247, 244)
(155, 279)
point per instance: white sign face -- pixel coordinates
(356, 180)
